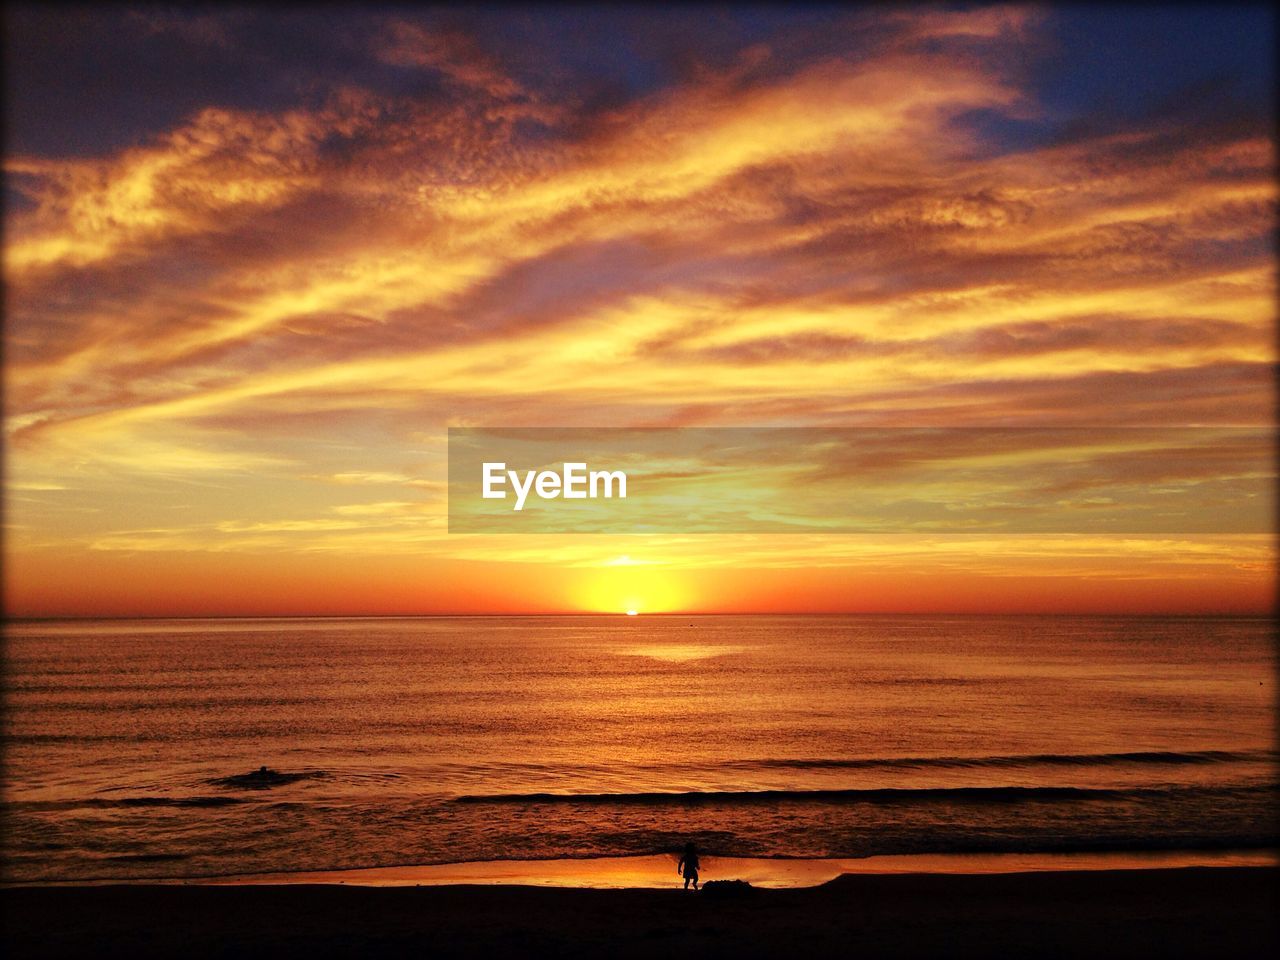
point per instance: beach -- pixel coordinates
(1183, 912)
(899, 786)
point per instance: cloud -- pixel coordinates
(452, 53)
(824, 225)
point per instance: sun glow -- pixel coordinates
(632, 588)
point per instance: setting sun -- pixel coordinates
(632, 586)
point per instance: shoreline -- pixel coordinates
(657, 871)
(1186, 912)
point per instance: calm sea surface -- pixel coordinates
(440, 740)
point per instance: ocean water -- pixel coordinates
(440, 740)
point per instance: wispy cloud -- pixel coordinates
(833, 229)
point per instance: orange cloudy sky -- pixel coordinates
(256, 264)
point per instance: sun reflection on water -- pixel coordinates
(681, 652)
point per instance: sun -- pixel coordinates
(630, 588)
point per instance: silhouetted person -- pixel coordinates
(688, 865)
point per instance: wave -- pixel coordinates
(886, 795)
(147, 857)
(120, 803)
(1141, 758)
(265, 778)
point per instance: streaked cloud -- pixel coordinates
(834, 227)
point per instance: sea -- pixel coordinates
(136, 749)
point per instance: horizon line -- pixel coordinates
(1239, 615)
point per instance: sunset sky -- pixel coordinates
(257, 263)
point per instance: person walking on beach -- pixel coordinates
(688, 865)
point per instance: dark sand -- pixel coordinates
(1192, 912)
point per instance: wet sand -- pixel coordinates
(1182, 912)
(658, 871)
